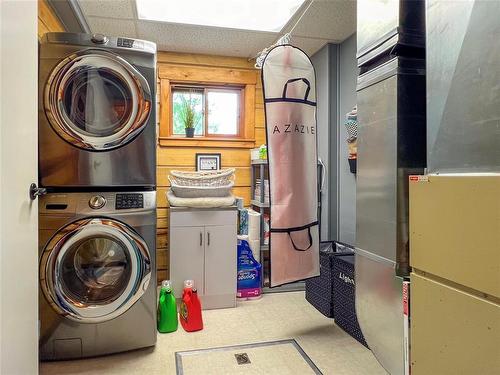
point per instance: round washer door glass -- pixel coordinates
(94, 269)
(96, 100)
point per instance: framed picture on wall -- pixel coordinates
(207, 162)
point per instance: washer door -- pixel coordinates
(94, 270)
(97, 101)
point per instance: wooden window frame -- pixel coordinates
(187, 75)
(240, 90)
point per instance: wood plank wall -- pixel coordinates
(183, 157)
(47, 20)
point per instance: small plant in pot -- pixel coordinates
(189, 115)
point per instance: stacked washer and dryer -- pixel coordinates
(97, 222)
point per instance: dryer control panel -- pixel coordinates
(129, 43)
(126, 201)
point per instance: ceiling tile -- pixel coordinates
(334, 20)
(124, 9)
(325, 21)
(112, 27)
(204, 40)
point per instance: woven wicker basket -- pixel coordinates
(219, 178)
(201, 191)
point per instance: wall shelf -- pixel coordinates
(259, 162)
(259, 204)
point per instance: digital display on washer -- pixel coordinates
(127, 43)
(126, 201)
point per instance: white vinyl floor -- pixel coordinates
(276, 316)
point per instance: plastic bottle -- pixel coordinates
(167, 309)
(190, 310)
(249, 275)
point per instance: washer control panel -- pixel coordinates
(126, 201)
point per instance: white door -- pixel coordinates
(186, 258)
(18, 169)
(220, 260)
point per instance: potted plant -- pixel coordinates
(189, 115)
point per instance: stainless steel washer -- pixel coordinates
(97, 111)
(97, 273)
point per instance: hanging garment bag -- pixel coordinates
(288, 81)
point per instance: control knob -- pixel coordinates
(99, 39)
(97, 201)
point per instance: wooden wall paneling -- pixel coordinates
(42, 28)
(162, 275)
(260, 136)
(258, 85)
(250, 116)
(162, 259)
(180, 141)
(161, 198)
(161, 238)
(259, 99)
(179, 153)
(164, 107)
(260, 118)
(162, 222)
(204, 60)
(200, 74)
(185, 157)
(47, 20)
(162, 213)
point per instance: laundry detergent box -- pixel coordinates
(249, 274)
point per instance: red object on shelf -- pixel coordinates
(190, 310)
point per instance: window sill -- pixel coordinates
(181, 141)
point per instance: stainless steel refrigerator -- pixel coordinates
(391, 146)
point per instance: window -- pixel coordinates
(213, 111)
(262, 15)
(225, 109)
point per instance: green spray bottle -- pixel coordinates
(167, 309)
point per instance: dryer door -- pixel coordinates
(94, 270)
(97, 101)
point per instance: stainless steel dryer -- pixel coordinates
(97, 111)
(97, 273)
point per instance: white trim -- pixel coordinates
(18, 169)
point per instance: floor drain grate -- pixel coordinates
(242, 358)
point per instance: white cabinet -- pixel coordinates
(203, 248)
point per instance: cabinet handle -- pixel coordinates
(208, 238)
(201, 239)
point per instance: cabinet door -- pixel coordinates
(220, 260)
(187, 257)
